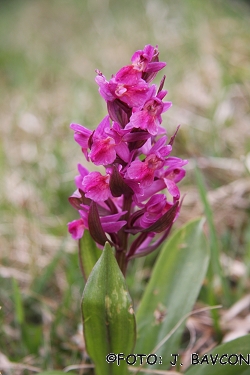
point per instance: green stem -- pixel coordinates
(123, 237)
(122, 261)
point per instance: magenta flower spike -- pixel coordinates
(135, 201)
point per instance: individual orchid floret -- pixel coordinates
(107, 143)
(160, 148)
(82, 136)
(174, 174)
(154, 209)
(79, 178)
(121, 146)
(147, 61)
(76, 228)
(172, 177)
(144, 171)
(96, 186)
(132, 91)
(103, 151)
(102, 145)
(149, 118)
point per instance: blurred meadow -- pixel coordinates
(49, 51)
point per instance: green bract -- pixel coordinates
(88, 254)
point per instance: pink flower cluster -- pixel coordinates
(134, 203)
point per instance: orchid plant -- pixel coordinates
(126, 212)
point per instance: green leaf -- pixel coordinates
(172, 291)
(238, 349)
(216, 268)
(108, 317)
(32, 337)
(41, 282)
(55, 372)
(88, 254)
(19, 310)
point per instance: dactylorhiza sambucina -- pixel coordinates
(135, 202)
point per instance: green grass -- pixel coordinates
(49, 51)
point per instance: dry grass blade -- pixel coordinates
(181, 321)
(236, 320)
(237, 308)
(5, 364)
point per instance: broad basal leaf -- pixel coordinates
(172, 291)
(231, 358)
(108, 317)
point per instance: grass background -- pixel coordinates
(49, 51)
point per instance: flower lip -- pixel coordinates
(103, 151)
(154, 106)
(96, 186)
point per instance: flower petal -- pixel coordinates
(76, 229)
